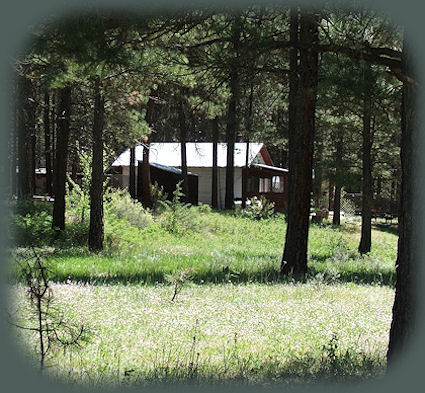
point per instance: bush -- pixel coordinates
(32, 229)
(177, 217)
(120, 204)
(204, 208)
(259, 209)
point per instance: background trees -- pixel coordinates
(105, 74)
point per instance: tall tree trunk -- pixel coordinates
(132, 179)
(367, 193)
(146, 194)
(96, 230)
(338, 180)
(301, 135)
(231, 131)
(53, 122)
(248, 133)
(214, 185)
(318, 177)
(26, 132)
(405, 303)
(61, 157)
(47, 142)
(183, 137)
(232, 127)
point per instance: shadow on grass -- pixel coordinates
(388, 228)
(269, 275)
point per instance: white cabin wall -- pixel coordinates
(205, 184)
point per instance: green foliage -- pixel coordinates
(177, 217)
(158, 195)
(204, 208)
(259, 209)
(178, 279)
(119, 204)
(30, 229)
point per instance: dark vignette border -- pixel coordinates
(15, 17)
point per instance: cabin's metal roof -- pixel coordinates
(274, 168)
(199, 154)
(170, 169)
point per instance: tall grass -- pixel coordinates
(251, 333)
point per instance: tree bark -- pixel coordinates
(303, 95)
(214, 185)
(231, 131)
(61, 157)
(248, 134)
(132, 179)
(183, 137)
(96, 230)
(367, 192)
(26, 132)
(338, 180)
(146, 194)
(47, 142)
(405, 303)
(232, 127)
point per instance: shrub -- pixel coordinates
(177, 217)
(32, 229)
(77, 203)
(120, 204)
(204, 208)
(259, 209)
(158, 195)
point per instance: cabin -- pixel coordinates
(258, 178)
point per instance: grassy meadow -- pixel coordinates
(233, 320)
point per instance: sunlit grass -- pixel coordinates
(252, 332)
(226, 248)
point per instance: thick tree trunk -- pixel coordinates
(405, 303)
(214, 185)
(232, 127)
(132, 179)
(231, 132)
(248, 134)
(338, 180)
(301, 135)
(96, 230)
(26, 133)
(146, 183)
(367, 192)
(47, 142)
(183, 137)
(61, 157)
(337, 206)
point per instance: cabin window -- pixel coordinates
(277, 184)
(265, 185)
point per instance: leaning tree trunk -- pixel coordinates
(183, 137)
(303, 96)
(96, 230)
(132, 177)
(366, 232)
(26, 132)
(214, 177)
(61, 159)
(405, 303)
